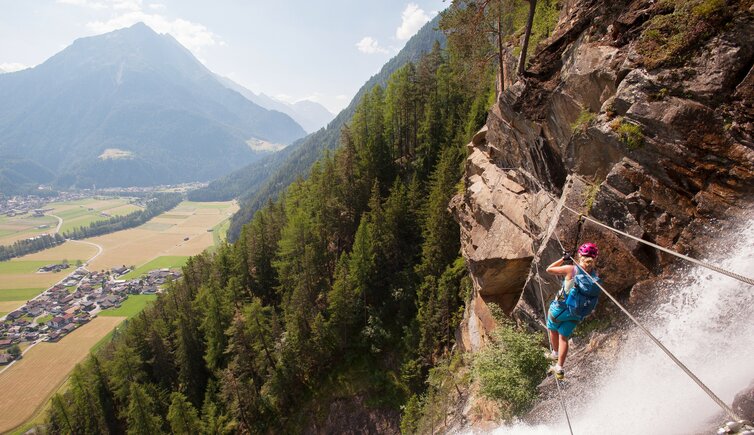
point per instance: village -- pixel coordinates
(34, 205)
(72, 302)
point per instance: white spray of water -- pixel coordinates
(708, 324)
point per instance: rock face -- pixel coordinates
(743, 403)
(662, 154)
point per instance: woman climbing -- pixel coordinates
(575, 300)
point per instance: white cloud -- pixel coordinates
(12, 67)
(286, 98)
(412, 19)
(369, 45)
(84, 3)
(192, 35)
(127, 5)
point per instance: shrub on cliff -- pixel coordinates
(510, 368)
(680, 27)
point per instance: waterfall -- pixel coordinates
(708, 323)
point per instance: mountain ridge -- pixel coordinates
(134, 90)
(258, 182)
(309, 114)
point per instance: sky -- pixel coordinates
(289, 49)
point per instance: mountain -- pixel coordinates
(132, 107)
(266, 178)
(310, 115)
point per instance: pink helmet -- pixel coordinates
(589, 250)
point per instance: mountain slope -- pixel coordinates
(310, 115)
(306, 151)
(131, 107)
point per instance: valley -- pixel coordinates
(165, 241)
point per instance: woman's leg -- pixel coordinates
(562, 349)
(554, 339)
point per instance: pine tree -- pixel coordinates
(140, 415)
(182, 416)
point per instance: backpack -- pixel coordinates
(583, 297)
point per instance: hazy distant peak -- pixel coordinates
(309, 114)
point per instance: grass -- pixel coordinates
(630, 135)
(590, 195)
(7, 267)
(21, 294)
(130, 307)
(44, 319)
(84, 221)
(583, 121)
(104, 340)
(81, 216)
(169, 261)
(680, 27)
(220, 232)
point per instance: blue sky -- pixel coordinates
(293, 50)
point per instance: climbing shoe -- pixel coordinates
(552, 355)
(558, 372)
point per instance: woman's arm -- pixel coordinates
(557, 268)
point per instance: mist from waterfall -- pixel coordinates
(707, 323)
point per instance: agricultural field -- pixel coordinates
(73, 213)
(24, 226)
(43, 369)
(131, 307)
(81, 213)
(165, 241)
(168, 261)
(19, 280)
(182, 231)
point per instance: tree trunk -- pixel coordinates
(525, 45)
(502, 73)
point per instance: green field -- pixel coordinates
(130, 307)
(82, 216)
(19, 294)
(158, 263)
(44, 319)
(220, 232)
(7, 267)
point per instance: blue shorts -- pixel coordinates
(559, 319)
